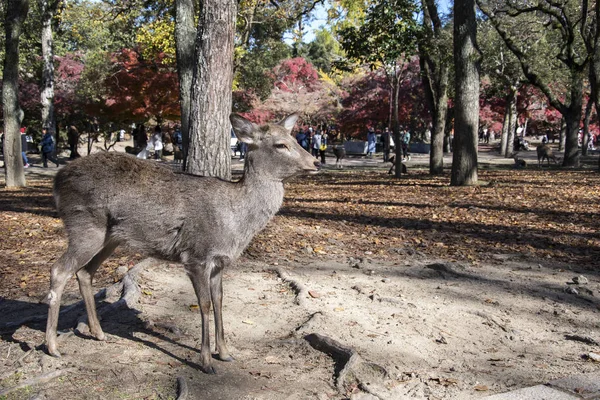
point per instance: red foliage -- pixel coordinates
(296, 73)
(367, 102)
(140, 89)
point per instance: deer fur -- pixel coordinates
(205, 223)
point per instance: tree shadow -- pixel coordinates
(490, 233)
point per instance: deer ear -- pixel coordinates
(289, 122)
(244, 129)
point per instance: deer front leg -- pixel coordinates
(216, 293)
(200, 276)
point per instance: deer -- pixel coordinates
(545, 151)
(340, 154)
(109, 199)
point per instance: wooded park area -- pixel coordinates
(473, 271)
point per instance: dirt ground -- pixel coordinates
(437, 293)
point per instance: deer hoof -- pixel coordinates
(210, 370)
(227, 358)
(54, 353)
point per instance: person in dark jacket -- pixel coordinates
(385, 139)
(24, 145)
(47, 144)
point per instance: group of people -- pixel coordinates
(386, 140)
(314, 141)
(156, 142)
(47, 147)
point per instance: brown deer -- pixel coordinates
(340, 153)
(545, 151)
(108, 199)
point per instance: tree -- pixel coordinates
(386, 36)
(48, 8)
(464, 160)
(435, 59)
(548, 39)
(16, 13)
(209, 151)
(184, 34)
(506, 79)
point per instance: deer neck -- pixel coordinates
(263, 196)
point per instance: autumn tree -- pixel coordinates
(387, 35)
(505, 80)
(466, 123)
(435, 59)
(16, 13)
(548, 39)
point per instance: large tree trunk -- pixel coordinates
(595, 69)
(464, 161)
(586, 127)
(505, 124)
(572, 119)
(210, 130)
(16, 12)
(185, 32)
(435, 80)
(396, 124)
(48, 8)
(512, 125)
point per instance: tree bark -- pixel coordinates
(572, 120)
(586, 127)
(464, 160)
(184, 36)
(48, 8)
(16, 13)
(435, 80)
(210, 129)
(512, 124)
(396, 125)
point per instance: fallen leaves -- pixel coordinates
(537, 214)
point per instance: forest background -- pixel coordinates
(115, 65)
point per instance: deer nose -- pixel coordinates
(317, 164)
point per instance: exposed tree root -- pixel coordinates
(300, 289)
(47, 377)
(312, 318)
(350, 367)
(182, 388)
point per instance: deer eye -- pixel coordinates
(282, 146)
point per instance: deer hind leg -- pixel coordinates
(79, 253)
(200, 277)
(84, 277)
(216, 294)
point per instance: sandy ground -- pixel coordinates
(419, 328)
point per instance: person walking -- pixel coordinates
(24, 147)
(385, 139)
(323, 147)
(157, 142)
(316, 143)
(47, 144)
(371, 142)
(405, 143)
(302, 139)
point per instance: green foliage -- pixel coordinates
(323, 51)
(389, 30)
